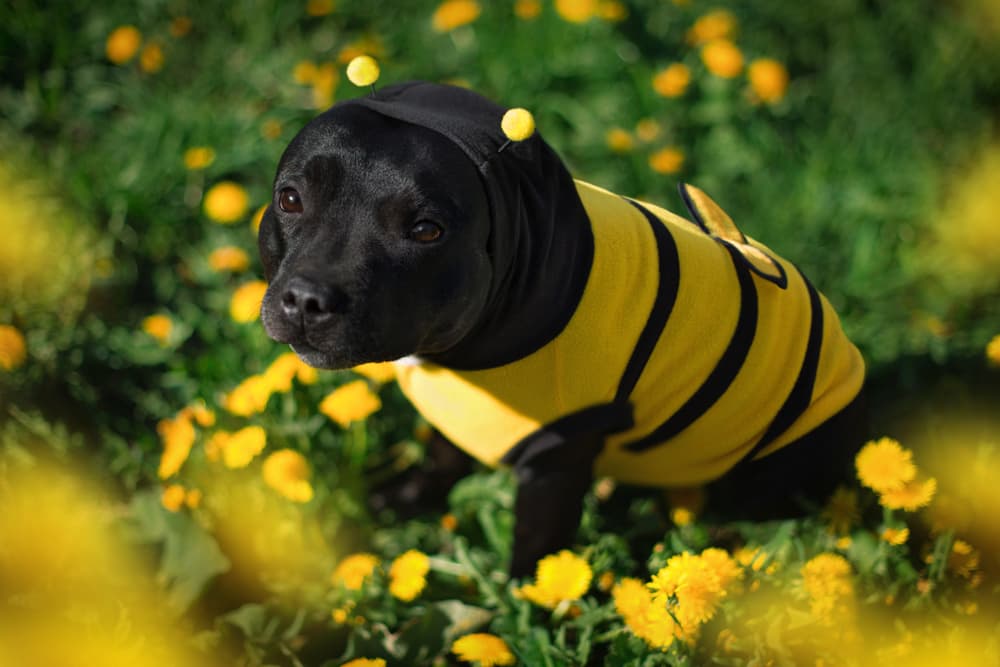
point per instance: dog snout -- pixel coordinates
(311, 302)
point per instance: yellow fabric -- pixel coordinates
(487, 412)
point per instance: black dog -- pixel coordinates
(550, 325)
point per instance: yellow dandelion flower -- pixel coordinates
(319, 7)
(667, 160)
(527, 10)
(151, 58)
(681, 516)
(826, 578)
(884, 465)
(672, 80)
(350, 402)
(993, 350)
(200, 413)
(407, 575)
(693, 583)
(911, 497)
(963, 559)
(646, 619)
(240, 448)
(452, 14)
(647, 130)
(843, 543)
(249, 397)
(612, 11)
(257, 217)
(752, 558)
(368, 45)
(226, 202)
(517, 124)
(122, 44)
(717, 24)
(229, 258)
(13, 350)
(377, 372)
(722, 58)
(199, 157)
(177, 436)
(180, 26)
(558, 577)
(245, 304)
(365, 662)
(449, 522)
(339, 615)
(606, 581)
(841, 511)
(172, 497)
(287, 472)
(324, 85)
(725, 566)
(483, 648)
(619, 140)
(193, 498)
(286, 367)
(768, 79)
(304, 72)
(576, 11)
(159, 327)
(353, 570)
(896, 536)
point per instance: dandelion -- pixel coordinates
(645, 618)
(193, 498)
(647, 130)
(172, 497)
(245, 304)
(180, 26)
(353, 570)
(452, 14)
(159, 327)
(13, 350)
(304, 72)
(198, 157)
(667, 160)
(725, 566)
(768, 79)
(177, 436)
(993, 350)
(558, 577)
(287, 472)
(483, 648)
(365, 662)
(717, 24)
(693, 583)
(319, 7)
(377, 372)
(229, 258)
(841, 511)
(963, 559)
(408, 575)
(151, 58)
(619, 140)
(681, 516)
(884, 465)
(367, 45)
(672, 80)
(249, 397)
(350, 402)
(896, 536)
(324, 85)
(122, 44)
(576, 11)
(612, 11)
(240, 448)
(225, 202)
(527, 10)
(722, 58)
(826, 578)
(911, 497)
(449, 522)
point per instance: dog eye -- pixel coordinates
(425, 231)
(289, 200)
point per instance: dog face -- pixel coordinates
(375, 242)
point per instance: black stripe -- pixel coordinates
(663, 304)
(725, 371)
(801, 394)
(597, 419)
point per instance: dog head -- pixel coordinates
(398, 226)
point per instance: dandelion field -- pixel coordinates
(175, 488)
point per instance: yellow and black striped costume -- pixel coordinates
(692, 348)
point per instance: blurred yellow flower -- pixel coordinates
(896, 536)
(257, 217)
(408, 575)
(229, 258)
(353, 570)
(177, 436)
(286, 367)
(287, 472)
(199, 412)
(716, 24)
(151, 58)
(370, 45)
(560, 576)
(841, 511)
(681, 516)
(226, 202)
(381, 372)
(527, 9)
(993, 350)
(884, 465)
(613, 11)
(449, 522)
(319, 7)
(576, 11)
(324, 85)
(199, 157)
(452, 14)
(180, 26)
(270, 129)
(722, 58)
(768, 79)
(485, 649)
(122, 44)
(725, 566)
(159, 327)
(13, 350)
(695, 585)
(667, 160)
(172, 497)
(365, 662)
(304, 72)
(647, 619)
(911, 496)
(647, 130)
(619, 140)
(963, 559)
(245, 303)
(249, 397)
(363, 71)
(240, 448)
(193, 498)
(350, 402)
(672, 80)
(826, 578)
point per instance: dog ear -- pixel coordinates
(270, 244)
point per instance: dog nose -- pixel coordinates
(311, 301)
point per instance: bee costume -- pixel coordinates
(687, 346)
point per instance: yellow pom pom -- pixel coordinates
(363, 71)
(518, 124)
